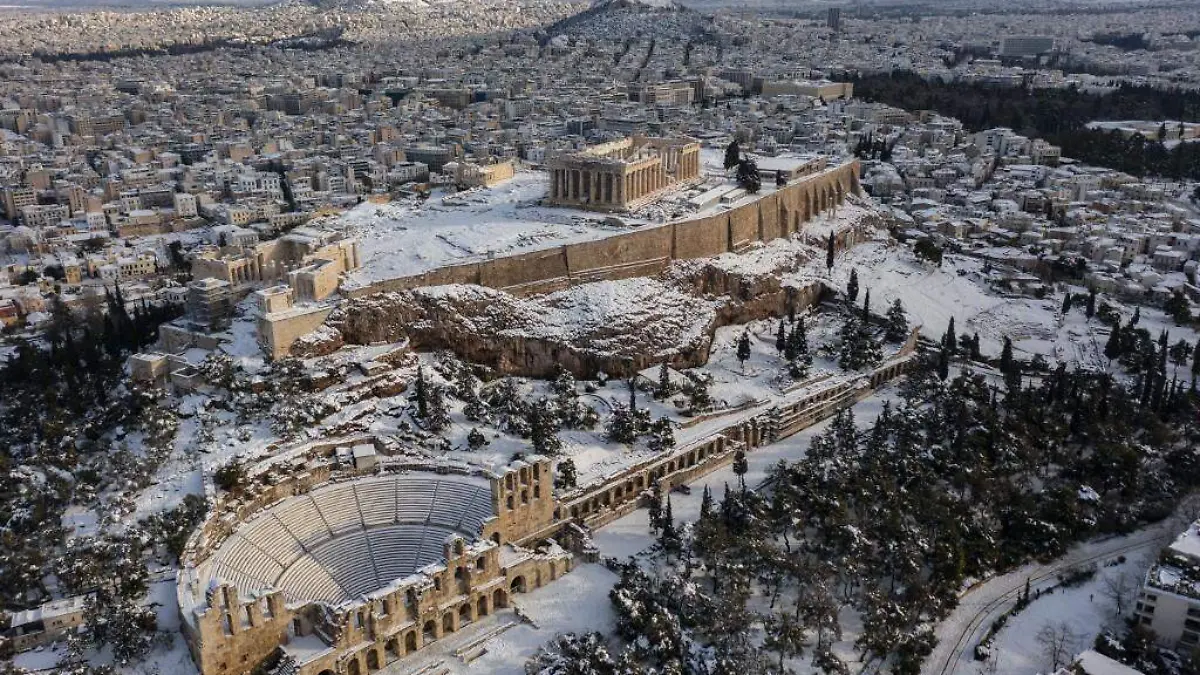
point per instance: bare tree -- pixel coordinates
(1058, 642)
(1120, 587)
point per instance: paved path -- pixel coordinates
(966, 625)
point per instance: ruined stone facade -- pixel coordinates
(622, 174)
(231, 627)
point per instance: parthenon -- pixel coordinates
(619, 175)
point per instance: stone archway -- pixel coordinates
(447, 623)
(429, 631)
(464, 614)
(391, 650)
(373, 660)
(518, 585)
(410, 642)
(499, 599)
(352, 667)
(482, 609)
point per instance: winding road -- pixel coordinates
(982, 603)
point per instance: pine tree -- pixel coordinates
(748, 177)
(949, 340)
(943, 364)
(1112, 348)
(829, 253)
(1066, 306)
(422, 395)
(621, 427)
(740, 467)
(706, 503)
(437, 415)
(866, 311)
(476, 440)
(654, 505)
(852, 286)
(1006, 356)
(743, 350)
(662, 436)
(543, 429)
(897, 322)
(670, 536)
(1137, 316)
(781, 338)
(1090, 308)
(733, 154)
(1196, 363)
(565, 475)
(664, 388)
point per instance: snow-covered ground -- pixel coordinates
(413, 236)
(1086, 609)
(932, 295)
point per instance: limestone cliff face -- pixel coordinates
(616, 327)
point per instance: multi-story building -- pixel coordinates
(1169, 602)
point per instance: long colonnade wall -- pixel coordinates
(649, 250)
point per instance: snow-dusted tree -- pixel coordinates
(421, 394)
(565, 475)
(796, 351)
(696, 390)
(476, 440)
(662, 435)
(543, 428)
(621, 426)
(121, 624)
(572, 654)
(654, 506)
(1058, 642)
(571, 412)
(897, 322)
(740, 466)
(781, 337)
(743, 349)
(509, 407)
(665, 387)
(669, 537)
(437, 415)
(786, 636)
(858, 348)
(852, 286)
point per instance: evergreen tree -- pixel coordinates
(1006, 356)
(743, 350)
(670, 536)
(654, 505)
(830, 250)
(1089, 309)
(696, 391)
(422, 395)
(664, 388)
(781, 338)
(621, 427)
(1196, 363)
(543, 429)
(748, 177)
(437, 415)
(476, 440)
(1112, 348)
(852, 286)
(733, 154)
(866, 310)
(949, 340)
(1137, 316)
(706, 503)
(897, 322)
(740, 467)
(1179, 309)
(943, 364)
(565, 475)
(1066, 305)
(662, 436)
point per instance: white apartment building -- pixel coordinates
(1169, 602)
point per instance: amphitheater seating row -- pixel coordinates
(348, 539)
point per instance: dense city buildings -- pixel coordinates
(529, 336)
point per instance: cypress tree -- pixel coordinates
(781, 338)
(852, 286)
(829, 252)
(950, 340)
